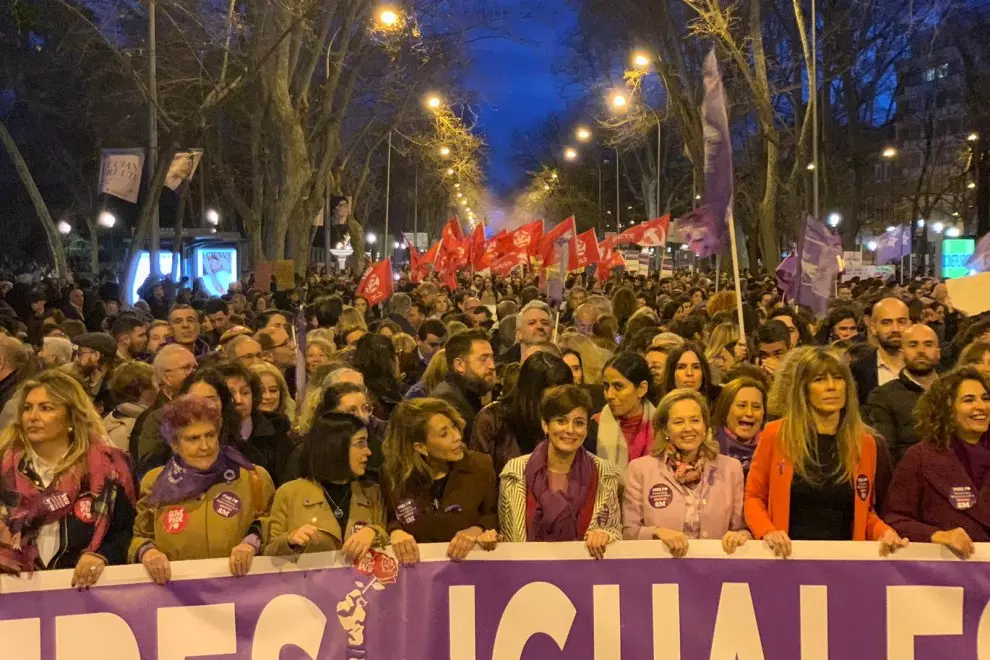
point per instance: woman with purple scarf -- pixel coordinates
(208, 500)
(738, 419)
(561, 492)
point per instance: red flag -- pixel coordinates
(452, 231)
(525, 237)
(482, 252)
(585, 251)
(504, 264)
(546, 248)
(376, 285)
(605, 266)
(652, 233)
(417, 266)
(430, 257)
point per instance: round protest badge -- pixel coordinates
(962, 497)
(227, 504)
(661, 496)
(407, 512)
(175, 519)
(862, 487)
(84, 509)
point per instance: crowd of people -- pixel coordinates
(190, 427)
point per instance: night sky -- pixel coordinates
(514, 83)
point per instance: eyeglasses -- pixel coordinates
(186, 368)
(360, 444)
(355, 410)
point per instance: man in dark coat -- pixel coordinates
(470, 375)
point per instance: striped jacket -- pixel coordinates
(607, 515)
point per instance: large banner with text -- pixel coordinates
(528, 601)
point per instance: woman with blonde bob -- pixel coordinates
(66, 494)
(275, 397)
(436, 373)
(436, 490)
(720, 350)
(593, 358)
(814, 471)
(685, 489)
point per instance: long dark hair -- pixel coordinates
(374, 357)
(633, 368)
(670, 367)
(326, 449)
(539, 371)
(230, 428)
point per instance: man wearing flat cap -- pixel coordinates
(95, 358)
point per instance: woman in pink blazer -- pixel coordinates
(685, 489)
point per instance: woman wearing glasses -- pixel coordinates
(332, 506)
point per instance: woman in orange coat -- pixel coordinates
(812, 476)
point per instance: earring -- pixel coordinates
(70, 428)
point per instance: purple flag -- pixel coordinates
(981, 255)
(711, 233)
(820, 251)
(700, 230)
(894, 244)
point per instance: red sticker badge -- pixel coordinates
(84, 509)
(175, 519)
(862, 487)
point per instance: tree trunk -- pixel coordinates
(767, 212)
(151, 200)
(55, 246)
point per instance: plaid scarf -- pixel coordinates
(25, 508)
(688, 474)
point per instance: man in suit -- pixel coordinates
(888, 321)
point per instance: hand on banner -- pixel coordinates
(890, 542)
(359, 543)
(302, 535)
(733, 540)
(779, 543)
(240, 559)
(956, 540)
(463, 542)
(157, 565)
(89, 568)
(675, 542)
(597, 541)
(405, 547)
(488, 540)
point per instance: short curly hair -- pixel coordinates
(934, 414)
(186, 410)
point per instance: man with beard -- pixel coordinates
(470, 374)
(132, 337)
(888, 321)
(96, 357)
(890, 407)
(533, 326)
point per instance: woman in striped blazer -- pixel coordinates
(561, 492)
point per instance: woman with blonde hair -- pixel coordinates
(436, 490)
(684, 489)
(319, 351)
(720, 350)
(275, 397)
(593, 358)
(351, 326)
(976, 355)
(813, 474)
(436, 373)
(67, 494)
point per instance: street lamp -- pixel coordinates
(834, 219)
(434, 102)
(953, 232)
(619, 101)
(106, 220)
(371, 238)
(889, 153)
(890, 228)
(583, 133)
(938, 227)
(212, 217)
(810, 167)
(388, 17)
(444, 151)
(450, 171)
(973, 137)
(921, 222)
(971, 185)
(64, 227)
(640, 60)
(570, 153)
(871, 245)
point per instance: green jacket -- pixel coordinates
(303, 501)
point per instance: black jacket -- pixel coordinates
(455, 391)
(269, 444)
(7, 387)
(864, 372)
(890, 411)
(513, 354)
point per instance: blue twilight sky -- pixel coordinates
(513, 79)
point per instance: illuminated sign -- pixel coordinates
(955, 253)
(144, 270)
(218, 268)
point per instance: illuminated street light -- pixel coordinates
(388, 17)
(890, 228)
(938, 227)
(546, 186)
(583, 133)
(434, 102)
(212, 217)
(444, 151)
(871, 245)
(370, 239)
(953, 232)
(553, 176)
(973, 137)
(641, 60)
(921, 222)
(570, 153)
(810, 167)
(971, 185)
(106, 220)
(889, 153)
(450, 171)
(457, 185)
(834, 219)
(697, 198)
(64, 227)
(619, 101)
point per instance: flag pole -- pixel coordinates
(735, 267)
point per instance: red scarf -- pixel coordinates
(559, 516)
(26, 508)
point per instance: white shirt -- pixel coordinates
(49, 540)
(885, 373)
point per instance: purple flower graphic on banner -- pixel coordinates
(351, 611)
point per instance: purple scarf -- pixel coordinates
(733, 447)
(553, 515)
(178, 482)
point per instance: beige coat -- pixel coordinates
(207, 527)
(303, 501)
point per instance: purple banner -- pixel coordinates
(893, 245)
(556, 604)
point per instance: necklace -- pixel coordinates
(338, 512)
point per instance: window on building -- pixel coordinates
(934, 73)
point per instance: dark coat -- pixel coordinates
(931, 492)
(470, 498)
(269, 444)
(864, 373)
(889, 410)
(7, 387)
(455, 391)
(513, 354)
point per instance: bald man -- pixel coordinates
(888, 321)
(890, 407)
